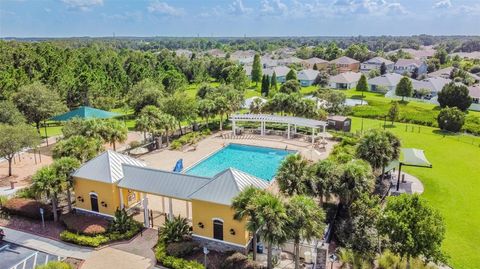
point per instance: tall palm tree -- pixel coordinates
(271, 212)
(293, 174)
(144, 125)
(64, 167)
(116, 132)
(325, 173)
(47, 182)
(221, 107)
(206, 109)
(166, 122)
(244, 207)
(306, 220)
(256, 106)
(356, 178)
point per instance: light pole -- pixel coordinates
(205, 252)
(333, 258)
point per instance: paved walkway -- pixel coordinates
(137, 253)
(46, 245)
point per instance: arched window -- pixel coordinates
(94, 201)
(218, 229)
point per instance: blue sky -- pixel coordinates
(65, 18)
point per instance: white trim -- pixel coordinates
(222, 241)
(94, 193)
(214, 219)
(94, 212)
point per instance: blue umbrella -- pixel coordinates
(178, 166)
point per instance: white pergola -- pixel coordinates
(290, 121)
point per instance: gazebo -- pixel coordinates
(288, 120)
(85, 112)
(411, 157)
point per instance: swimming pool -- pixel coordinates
(261, 162)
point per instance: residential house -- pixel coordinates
(384, 83)
(346, 64)
(474, 92)
(290, 60)
(376, 63)
(306, 77)
(423, 53)
(403, 66)
(433, 85)
(216, 53)
(280, 72)
(183, 52)
(445, 73)
(345, 80)
(242, 54)
(311, 62)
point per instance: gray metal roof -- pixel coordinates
(226, 185)
(387, 80)
(160, 182)
(347, 77)
(278, 119)
(378, 60)
(106, 167)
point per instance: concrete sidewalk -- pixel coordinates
(46, 245)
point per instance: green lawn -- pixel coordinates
(452, 185)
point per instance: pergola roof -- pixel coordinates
(85, 112)
(279, 119)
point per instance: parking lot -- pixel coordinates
(13, 256)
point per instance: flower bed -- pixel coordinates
(27, 208)
(83, 224)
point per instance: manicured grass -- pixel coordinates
(451, 186)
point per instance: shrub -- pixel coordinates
(27, 192)
(27, 208)
(55, 265)
(472, 124)
(122, 222)
(182, 249)
(83, 224)
(174, 230)
(239, 261)
(451, 119)
(3, 200)
(175, 145)
(455, 95)
(84, 240)
(134, 144)
(172, 262)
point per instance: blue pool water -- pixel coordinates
(258, 161)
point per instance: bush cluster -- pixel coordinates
(27, 208)
(84, 240)
(182, 249)
(190, 138)
(55, 265)
(239, 261)
(83, 224)
(173, 262)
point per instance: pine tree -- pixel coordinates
(267, 85)
(291, 75)
(383, 69)
(362, 85)
(256, 69)
(315, 67)
(263, 88)
(273, 82)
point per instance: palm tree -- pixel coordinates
(325, 173)
(166, 122)
(256, 106)
(221, 107)
(355, 178)
(206, 109)
(143, 124)
(244, 207)
(272, 214)
(305, 221)
(47, 182)
(64, 167)
(116, 132)
(293, 174)
(79, 147)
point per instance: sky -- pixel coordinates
(68, 18)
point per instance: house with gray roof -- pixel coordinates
(384, 83)
(376, 63)
(280, 72)
(345, 80)
(408, 66)
(474, 92)
(433, 85)
(306, 77)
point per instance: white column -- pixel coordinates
(170, 208)
(121, 198)
(295, 129)
(146, 216)
(188, 211)
(163, 205)
(234, 127)
(313, 135)
(288, 131)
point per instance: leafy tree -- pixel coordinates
(433, 65)
(325, 176)
(442, 55)
(256, 69)
(165, 123)
(180, 106)
(305, 221)
(455, 95)
(383, 69)
(272, 214)
(265, 85)
(362, 85)
(451, 119)
(394, 112)
(244, 208)
(256, 106)
(38, 103)
(273, 82)
(322, 79)
(281, 103)
(291, 86)
(203, 90)
(404, 88)
(293, 175)
(173, 81)
(378, 148)
(355, 178)
(291, 75)
(144, 93)
(64, 167)
(47, 181)
(9, 114)
(413, 227)
(305, 108)
(373, 73)
(335, 100)
(78, 147)
(206, 109)
(14, 138)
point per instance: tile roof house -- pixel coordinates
(408, 66)
(434, 85)
(346, 64)
(311, 62)
(474, 92)
(306, 77)
(445, 73)
(280, 72)
(345, 80)
(375, 63)
(385, 82)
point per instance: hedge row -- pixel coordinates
(173, 262)
(27, 208)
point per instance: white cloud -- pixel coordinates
(165, 9)
(82, 5)
(443, 4)
(370, 7)
(274, 7)
(237, 7)
(469, 10)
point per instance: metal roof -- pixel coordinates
(106, 167)
(387, 80)
(278, 119)
(378, 60)
(160, 182)
(226, 185)
(85, 112)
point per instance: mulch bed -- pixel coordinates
(75, 263)
(51, 230)
(214, 258)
